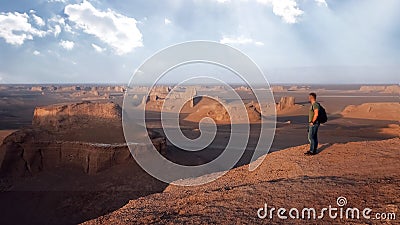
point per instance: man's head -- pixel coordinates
(312, 97)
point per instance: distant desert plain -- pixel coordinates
(64, 158)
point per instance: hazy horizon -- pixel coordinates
(190, 84)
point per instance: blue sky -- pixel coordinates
(293, 41)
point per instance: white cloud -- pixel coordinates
(68, 28)
(62, 1)
(118, 31)
(38, 20)
(56, 30)
(15, 28)
(321, 3)
(68, 45)
(57, 20)
(167, 21)
(287, 9)
(223, 1)
(36, 52)
(98, 48)
(259, 43)
(57, 25)
(241, 40)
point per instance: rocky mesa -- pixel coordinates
(62, 135)
(54, 116)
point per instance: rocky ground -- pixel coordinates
(365, 173)
(359, 160)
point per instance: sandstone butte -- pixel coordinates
(48, 143)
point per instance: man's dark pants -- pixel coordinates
(313, 137)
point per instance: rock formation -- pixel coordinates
(48, 144)
(62, 115)
(375, 111)
(92, 93)
(144, 100)
(158, 92)
(24, 155)
(68, 88)
(366, 171)
(381, 88)
(37, 88)
(115, 89)
(286, 102)
(243, 88)
(211, 108)
(394, 89)
(278, 89)
(176, 97)
(297, 88)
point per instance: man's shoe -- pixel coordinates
(309, 153)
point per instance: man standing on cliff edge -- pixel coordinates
(313, 124)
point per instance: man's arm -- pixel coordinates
(315, 116)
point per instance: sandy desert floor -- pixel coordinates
(358, 159)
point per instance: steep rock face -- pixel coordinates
(220, 114)
(211, 108)
(394, 89)
(86, 135)
(278, 89)
(24, 155)
(286, 102)
(57, 116)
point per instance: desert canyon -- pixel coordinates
(64, 158)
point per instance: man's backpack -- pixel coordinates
(322, 117)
